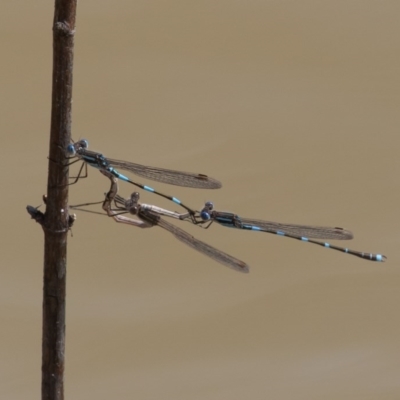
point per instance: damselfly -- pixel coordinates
(151, 216)
(99, 161)
(300, 232)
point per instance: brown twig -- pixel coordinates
(56, 221)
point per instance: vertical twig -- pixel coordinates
(56, 217)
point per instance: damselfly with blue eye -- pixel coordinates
(300, 232)
(97, 160)
(151, 216)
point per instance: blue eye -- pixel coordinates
(205, 216)
(84, 143)
(71, 150)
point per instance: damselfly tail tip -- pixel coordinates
(374, 257)
(381, 258)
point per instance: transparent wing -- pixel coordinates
(318, 232)
(197, 244)
(168, 176)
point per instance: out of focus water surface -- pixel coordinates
(294, 106)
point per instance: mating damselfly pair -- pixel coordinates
(150, 215)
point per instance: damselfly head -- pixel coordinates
(74, 148)
(204, 215)
(83, 144)
(209, 205)
(131, 205)
(135, 197)
(71, 150)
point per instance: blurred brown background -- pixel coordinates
(294, 106)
